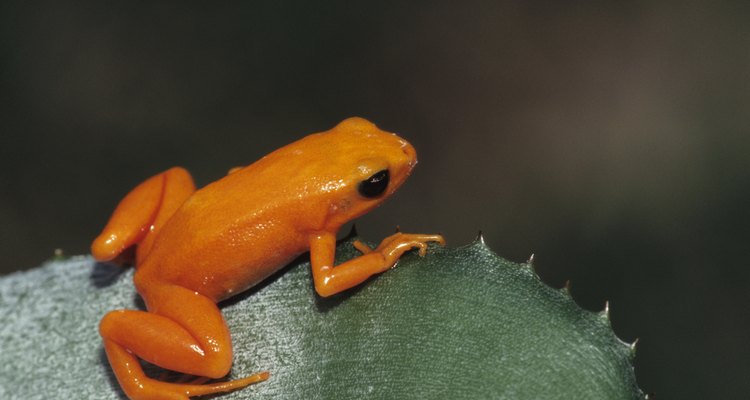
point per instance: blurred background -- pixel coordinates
(609, 139)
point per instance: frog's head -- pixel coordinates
(360, 168)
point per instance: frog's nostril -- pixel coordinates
(410, 152)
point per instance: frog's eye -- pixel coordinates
(375, 185)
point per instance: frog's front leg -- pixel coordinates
(330, 279)
(184, 331)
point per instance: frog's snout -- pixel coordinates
(411, 153)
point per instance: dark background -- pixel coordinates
(609, 139)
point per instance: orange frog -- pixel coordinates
(196, 248)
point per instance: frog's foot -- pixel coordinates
(397, 244)
(138, 386)
(394, 246)
(187, 390)
(152, 389)
(362, 247)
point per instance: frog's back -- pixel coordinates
(246, 225)
(225, 239)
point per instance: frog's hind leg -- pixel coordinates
(137, 385)
(142, 213)
(185, 332)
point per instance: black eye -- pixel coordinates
(375, 185)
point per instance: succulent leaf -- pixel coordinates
(459, 323)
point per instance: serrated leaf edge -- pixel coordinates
(603, 315)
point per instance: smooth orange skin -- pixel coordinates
(196, 248)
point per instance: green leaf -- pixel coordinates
(458, 323)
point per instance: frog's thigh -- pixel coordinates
(178, 186)
(184, 333)
(143, 211)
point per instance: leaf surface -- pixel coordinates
(460, 323)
